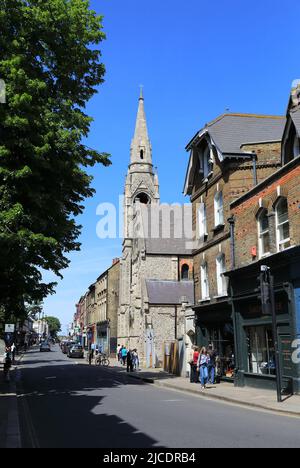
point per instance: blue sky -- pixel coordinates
(195, 59)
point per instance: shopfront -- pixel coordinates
(255, 364)
(255, 349)
(103, 337)
(214, 326)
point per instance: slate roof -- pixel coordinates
(295, 115)
(167, 241)
(169, 292)
(231, 131)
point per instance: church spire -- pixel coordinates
(141, 151)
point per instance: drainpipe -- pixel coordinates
(232, 241)
(254, 160)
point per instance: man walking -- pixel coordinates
(124, 354)
(129, 359)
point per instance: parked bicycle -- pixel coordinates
(102, 360)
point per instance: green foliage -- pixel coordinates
(51, 66)
(54, 326)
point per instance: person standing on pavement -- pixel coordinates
(202, 367)
(124, 354)
(129, 360)
(135, 359)
(91, 355)
(211, 368)
(118, 352)
(7, 363)
(194, 374)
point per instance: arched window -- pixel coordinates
(204, 281)
(142, 154)
(143, 198)
(202, 221)
(221, 280)
(185, 269)
(282, 225)
(205, 160)
(296, 148)
(291, 145)
(263, 233)
(219, 209)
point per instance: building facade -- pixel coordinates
(152, 250)
(267, 233)
(227, 158)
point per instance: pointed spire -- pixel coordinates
(141, 146)
(141, 91)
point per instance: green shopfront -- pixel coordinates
(254, 341)
(214, 325)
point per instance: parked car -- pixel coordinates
(45, 346)
(67, 345)
(76, 351)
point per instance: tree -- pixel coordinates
(51, 66)
(54, 326)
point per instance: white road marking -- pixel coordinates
(48, 378)
(171, 400)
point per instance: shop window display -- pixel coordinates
(261, 352)
(222, 340)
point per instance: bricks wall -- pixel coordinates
(246, 229)
(113, 304)
(234, 179)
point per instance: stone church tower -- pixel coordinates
(141, 187)
(151, 295)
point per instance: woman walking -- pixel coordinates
(124, 355)
(211, 364)
(202, 367)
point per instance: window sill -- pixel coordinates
(203, 301)
(218, 228)
(266, 255)
(221, 296)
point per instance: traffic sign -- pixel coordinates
(9, 328)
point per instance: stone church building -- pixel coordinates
(156, 269)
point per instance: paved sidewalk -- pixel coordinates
(9, 417)
(226, 392)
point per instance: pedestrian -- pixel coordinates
(194, 378)
(91, 355)
(7, 362)
(211, 368)
(118, 352)
(136, 363)
(129, 360)
(124, 354)
(13, 352)
(202, 365)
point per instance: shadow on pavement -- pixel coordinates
(60, 407)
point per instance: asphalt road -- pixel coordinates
(66, 404)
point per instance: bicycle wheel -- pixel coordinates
(105, 362)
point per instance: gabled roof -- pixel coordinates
(295, 115)
(168, 246)
(169, 292)
(230, 131)
(167, 232)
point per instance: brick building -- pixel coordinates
(96, 314)
(228, 157)
(267, 232)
